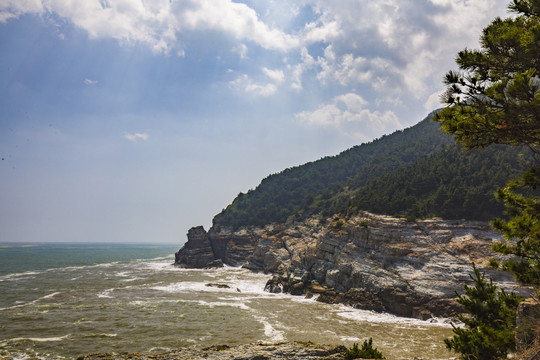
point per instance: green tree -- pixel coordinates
(524, 226)
(495, 99)
(490, 321)
(367, 351)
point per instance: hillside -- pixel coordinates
(416, 172)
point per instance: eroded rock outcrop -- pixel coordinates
(213, 249)
(368, 261)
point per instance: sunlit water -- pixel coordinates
(59, 301)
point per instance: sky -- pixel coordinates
(134, 120)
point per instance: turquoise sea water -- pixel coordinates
(62, 300)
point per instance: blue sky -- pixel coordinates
(133, 120)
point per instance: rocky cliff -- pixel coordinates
(368, 261)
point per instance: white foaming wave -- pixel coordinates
(33, 273)
(50, 295)
(25, 356)
(188, 287)
(347, 339)
(350, 313)
(31, 302)
(17, 276)
(45, 339)
(75, 268)
(240, 286)
(106, 294)
(270, 332)
(160, 266)
(100, 335)
(244, 280)
(213, 304)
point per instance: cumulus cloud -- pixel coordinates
(136, 137)
(276, 75)
(396, 48)
(348, 113)
(157, 23)
(236, 19)
(10, 9)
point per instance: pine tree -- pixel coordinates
(490, 321)
(495, 99)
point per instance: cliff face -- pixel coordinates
(367, 261)
(210, 249)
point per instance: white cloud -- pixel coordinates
(10, 9)
(434, 101)
(236, 19)
(307, 62)
(276, 75)
(396, 49)
(346, 69)
(416, 42)
(246, 84)
(136, 137)
(349, 115)
(157, 23)
(90, 82)
(241, 50)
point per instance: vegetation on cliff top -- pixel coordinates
(417, 172)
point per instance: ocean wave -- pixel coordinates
(33, 302)
(104, 335)
(350, 313)
(213, 304)
(17, 276)
(106, 293)
(39, 339)
(271, 334)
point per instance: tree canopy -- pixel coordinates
(495, 99)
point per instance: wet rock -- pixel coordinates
(219, 286)
(214, 264)
(197, 252)
(274, 285)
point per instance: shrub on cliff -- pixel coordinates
(490, 321)
(367, 351)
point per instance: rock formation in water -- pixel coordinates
(367, 261)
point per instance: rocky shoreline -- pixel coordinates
(260, 351)
(371, 262)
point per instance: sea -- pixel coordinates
(60, 301)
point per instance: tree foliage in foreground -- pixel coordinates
(522, 231)
(367, 351)
(495, 99)
(490, 321)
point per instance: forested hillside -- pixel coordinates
(417, 172)
(449, 183)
